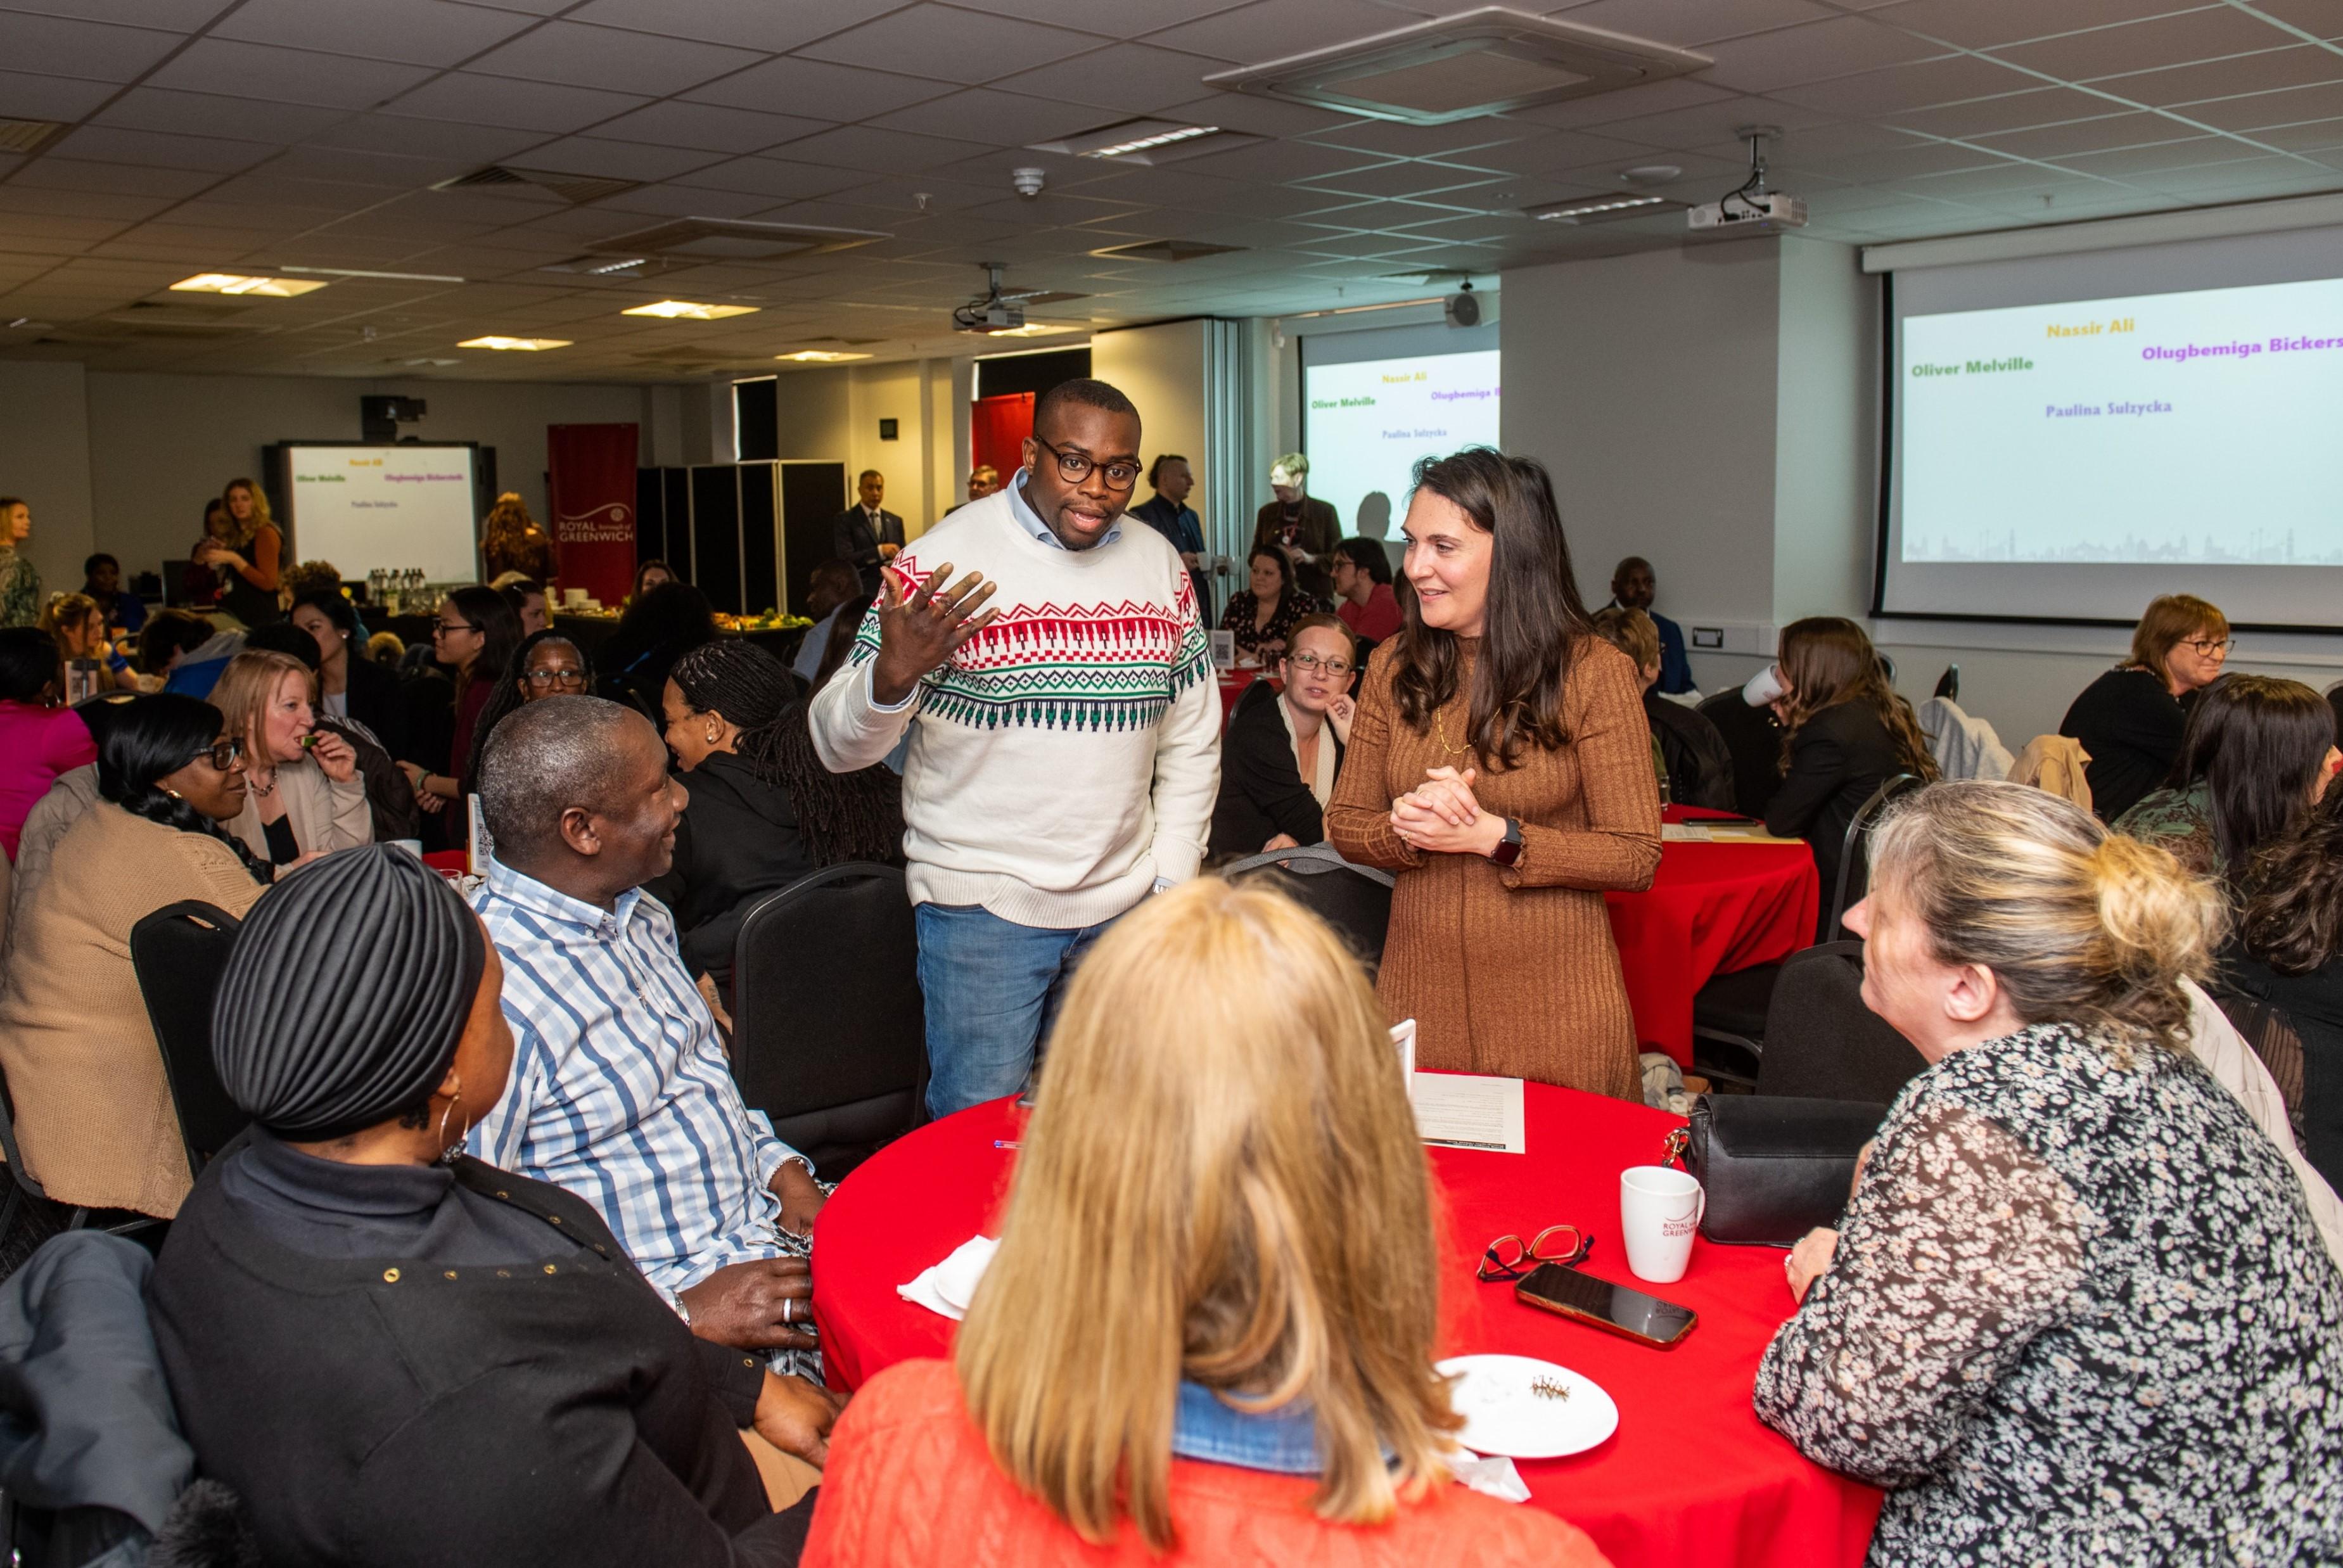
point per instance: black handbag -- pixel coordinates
(1774, 1167)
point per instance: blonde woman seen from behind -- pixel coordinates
(305, 798)
(1211, 1249)
(2077, 1312)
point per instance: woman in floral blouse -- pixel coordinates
(1262, 615)
(2076, 1311)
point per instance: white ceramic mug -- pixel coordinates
(412, 846)
(1659, 1209)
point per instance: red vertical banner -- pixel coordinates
(590, 492)
(997, 428)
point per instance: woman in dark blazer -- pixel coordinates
(400, 1356)
(1268, 800)
(1848, 734)
(2132, 720)
(763, 812)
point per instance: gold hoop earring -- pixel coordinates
(454, 1101)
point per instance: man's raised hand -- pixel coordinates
(920, 629)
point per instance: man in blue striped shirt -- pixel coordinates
(620, 1091)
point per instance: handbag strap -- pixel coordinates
(1672, 1150)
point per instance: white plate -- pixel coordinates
(1505, 1411)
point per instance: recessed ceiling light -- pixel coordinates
(392, 277)
(1032, 329)
(529, 344)
(233, 283)
(1650, 174)
(820, 356)
(685, 311)
(1128, 138)
(1584, 207)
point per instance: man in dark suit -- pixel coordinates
(1634, 586)
(1169, 514)
(867, 534)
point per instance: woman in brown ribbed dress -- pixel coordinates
(1500, 765)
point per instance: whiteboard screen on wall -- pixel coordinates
(2073, 434)
(1375, 403)
(395, 507)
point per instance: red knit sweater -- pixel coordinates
(909, 1482)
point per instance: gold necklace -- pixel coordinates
(1440, 737)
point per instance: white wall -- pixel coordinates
(44, 461)
(159, 445)
(1162, 370)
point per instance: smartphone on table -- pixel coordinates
(1617, 1309)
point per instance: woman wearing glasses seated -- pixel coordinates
(2131, 720)
(546, 664)
(2077, 1311)
(1206, 1336)
(1283, 750)
(763, 811)
(93, 1111)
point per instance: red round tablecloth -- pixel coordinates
(1690, 1478)
(1711, 909)
(1233, 683)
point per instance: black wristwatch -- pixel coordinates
(1509, 847)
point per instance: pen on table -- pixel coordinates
(1004, 1143)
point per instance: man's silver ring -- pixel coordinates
(789, 1309)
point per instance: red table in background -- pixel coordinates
(1711, 909)
(1691, 1477)
(1233, 688)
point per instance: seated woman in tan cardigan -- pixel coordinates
(306, 795)
(94, 1114)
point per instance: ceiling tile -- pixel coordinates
(816, 88)
(2006, 111)
(758, 25)
(380, 171)
(2319, 18)
(2129, 163)
(16, 198)
(1393, 140)
(521, 105)
(62, 173)
(1899, 89)
(2059, 142)
(2298, 67)
(1689, 24)
(1272, 29)
(618, 160)
(403, 136)
(417, 32)
(2312, 137)
(153, 148)
(275, 75)
(160, 109)
(2258, 111)
(1407, 179)
(1657, 97)
(878, 151)
(93, 51)
(575, 56)
(2207, 33)
(1813, 51)
(1128, 78)
(1087, 14)
(949, 45)
(1986, 23)
(1277, 161)
(170, 15)
(51, 98)
(770, 178)
(712, 128)
(1013, 118)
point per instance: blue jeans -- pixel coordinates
(992, 988)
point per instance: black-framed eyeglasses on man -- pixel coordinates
(568, 680)
(1075, 467)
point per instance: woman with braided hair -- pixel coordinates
(94, 1115)
(764, 811)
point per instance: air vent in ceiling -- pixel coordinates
(576, 190)
(27, 136)
(731, 239)
(1153, 250)
(1489, 61)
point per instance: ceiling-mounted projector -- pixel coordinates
(1751, 209)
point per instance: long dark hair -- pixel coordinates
(1284, 567)
(2293, 918)
(855, 816)
(145, 741)
(509, 695)
(652, 633)
(484, 608)
(2256, 742)
(31, 669)
(1534, 621)
(1827, 661)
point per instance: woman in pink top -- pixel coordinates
(38, 739)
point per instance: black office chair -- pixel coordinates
(180, 953)
(1822, 1043)
(1355, 900)
(1731, 1010)
(829, 1029)
(1949, 685)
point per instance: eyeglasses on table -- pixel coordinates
(1509, 1257)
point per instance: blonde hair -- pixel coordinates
(1632, 632)
(242, 533)
(1210, 1193)
(2170, 620)
(1296, 466)
(64, 609)
(2078, 925)
(249, 684)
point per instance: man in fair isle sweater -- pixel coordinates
(1067, 749)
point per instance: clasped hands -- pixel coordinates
(1440, 815)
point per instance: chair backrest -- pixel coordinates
(1852, 847)
(1822, 1043)
(829, 1028)
(180, 953)
(1353, 899)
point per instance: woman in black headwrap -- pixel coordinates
(764, 811)
(396, 1353)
